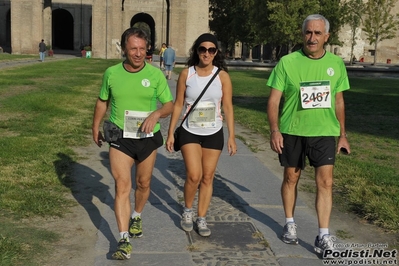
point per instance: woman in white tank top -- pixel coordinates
(201, 138)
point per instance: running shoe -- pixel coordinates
(202, 227)
(289, 234)
(323, 244)
(187, 221)
(123, 251)
(135, 227)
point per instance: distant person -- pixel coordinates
(202, 137)
(149, 54)
(312, 116)
(42, 50)
(161, 51)
(132, 89)
(169, 60)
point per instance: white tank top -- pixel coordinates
(206, 118)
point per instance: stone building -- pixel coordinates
(73, 24)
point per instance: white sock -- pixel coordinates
(322, 232)
(124, 235)
(135, 214)
(187, 209)
(289, 220)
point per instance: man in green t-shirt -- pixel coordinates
(312, 82)
(132, 89)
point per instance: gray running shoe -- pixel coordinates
(323, 244)
(202, 228)
(289, 234)
(187, 221)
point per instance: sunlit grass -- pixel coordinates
(5, 57)
(45, 111)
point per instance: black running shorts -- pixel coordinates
(138, 149)
(214, 141)
(319, 150)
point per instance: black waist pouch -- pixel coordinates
(111, 131)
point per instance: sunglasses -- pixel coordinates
(203, 50)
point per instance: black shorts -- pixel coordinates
(138, 149)
(319, 150)
(214, 141)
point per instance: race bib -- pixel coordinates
(315, 94)
(133, 121)
(203, 116)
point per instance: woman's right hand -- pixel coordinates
(169, 143)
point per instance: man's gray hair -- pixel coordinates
(316, 17)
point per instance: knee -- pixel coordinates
(122, 186)
(325, 183)
(207, 180)
(291, 179)
(143, 183)
(194, 179)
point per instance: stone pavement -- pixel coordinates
(246, 217)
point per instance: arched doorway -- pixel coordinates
(145, 22)
(62, 25)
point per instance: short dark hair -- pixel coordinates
(139, 33)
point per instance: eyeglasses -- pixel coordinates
(203, 50)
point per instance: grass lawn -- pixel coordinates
(46, 110)
(5, 57)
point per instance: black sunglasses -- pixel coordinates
(203, 50)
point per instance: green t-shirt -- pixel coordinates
(309, 87)
(137, 91)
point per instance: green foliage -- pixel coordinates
(229, 19)
(286, 18)
(333, 11)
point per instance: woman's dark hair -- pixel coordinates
(139, 33)
(193, 59)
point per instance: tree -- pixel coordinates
(379, 24)
(286, 18)
(333, 10)
(221, 15)
(353, 10)
(229, 20)
(243, 28)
